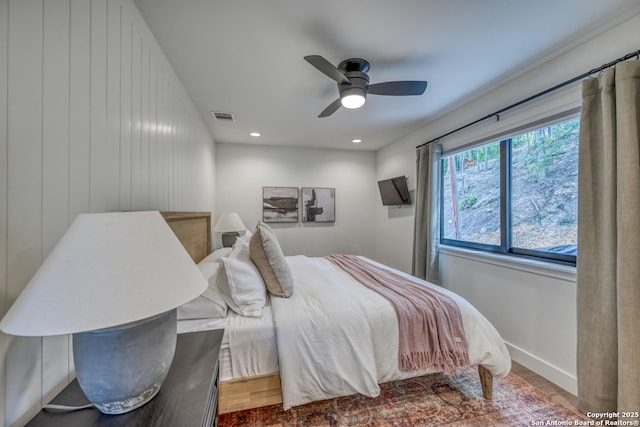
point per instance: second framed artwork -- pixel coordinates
(318, 204)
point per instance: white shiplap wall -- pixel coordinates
(92, 119)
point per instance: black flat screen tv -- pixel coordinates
(394, 191)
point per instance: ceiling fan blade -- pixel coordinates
(327, 68)
(332, 108)
(400, 88)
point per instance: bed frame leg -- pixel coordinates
(486, 380)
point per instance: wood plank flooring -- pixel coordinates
(558, 394)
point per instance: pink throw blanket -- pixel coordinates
(431, 331)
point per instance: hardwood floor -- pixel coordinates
(558, 394)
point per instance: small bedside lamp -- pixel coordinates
(113, 281)
(230, 225)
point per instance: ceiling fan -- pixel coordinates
(353, 83)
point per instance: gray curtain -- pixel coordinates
(426, 235)
(609, 242)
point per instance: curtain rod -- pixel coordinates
(538, 95)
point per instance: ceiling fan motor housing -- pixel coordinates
(354, 64)
(356, 71)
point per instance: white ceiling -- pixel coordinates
(246, 57)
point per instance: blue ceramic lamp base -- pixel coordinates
(120, 369)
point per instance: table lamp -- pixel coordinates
(113, 281)
(230, 225)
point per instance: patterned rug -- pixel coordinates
(433, 400)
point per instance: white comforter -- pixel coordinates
(335, 337)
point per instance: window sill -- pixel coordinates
(556, 271)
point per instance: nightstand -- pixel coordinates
(188, 397)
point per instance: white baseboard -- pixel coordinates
(552, 373)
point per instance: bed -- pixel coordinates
(275, 350)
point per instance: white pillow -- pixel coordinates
(245, 238)
(211, 303)
(216, 255)
(240, 250)
(202, 308)
(208, 270)
(241, 286)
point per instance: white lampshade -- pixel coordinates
(108, 269)
(229, 222)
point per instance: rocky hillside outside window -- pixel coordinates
(518, 195)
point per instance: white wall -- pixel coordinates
(242, 170)
(394, 226)
(533, 309)
(92, 119)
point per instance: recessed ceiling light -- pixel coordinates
(255, 134)
(356, 141)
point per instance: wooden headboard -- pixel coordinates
(193, 230)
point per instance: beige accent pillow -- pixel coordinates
(266, 254)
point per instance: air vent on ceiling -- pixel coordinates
(225, 117)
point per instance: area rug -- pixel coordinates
(433, 400)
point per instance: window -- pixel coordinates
(518, 195)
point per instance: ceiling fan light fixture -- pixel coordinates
(353, 97)
(353, 83)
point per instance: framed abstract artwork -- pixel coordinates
(318, 204)
(280, 204)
